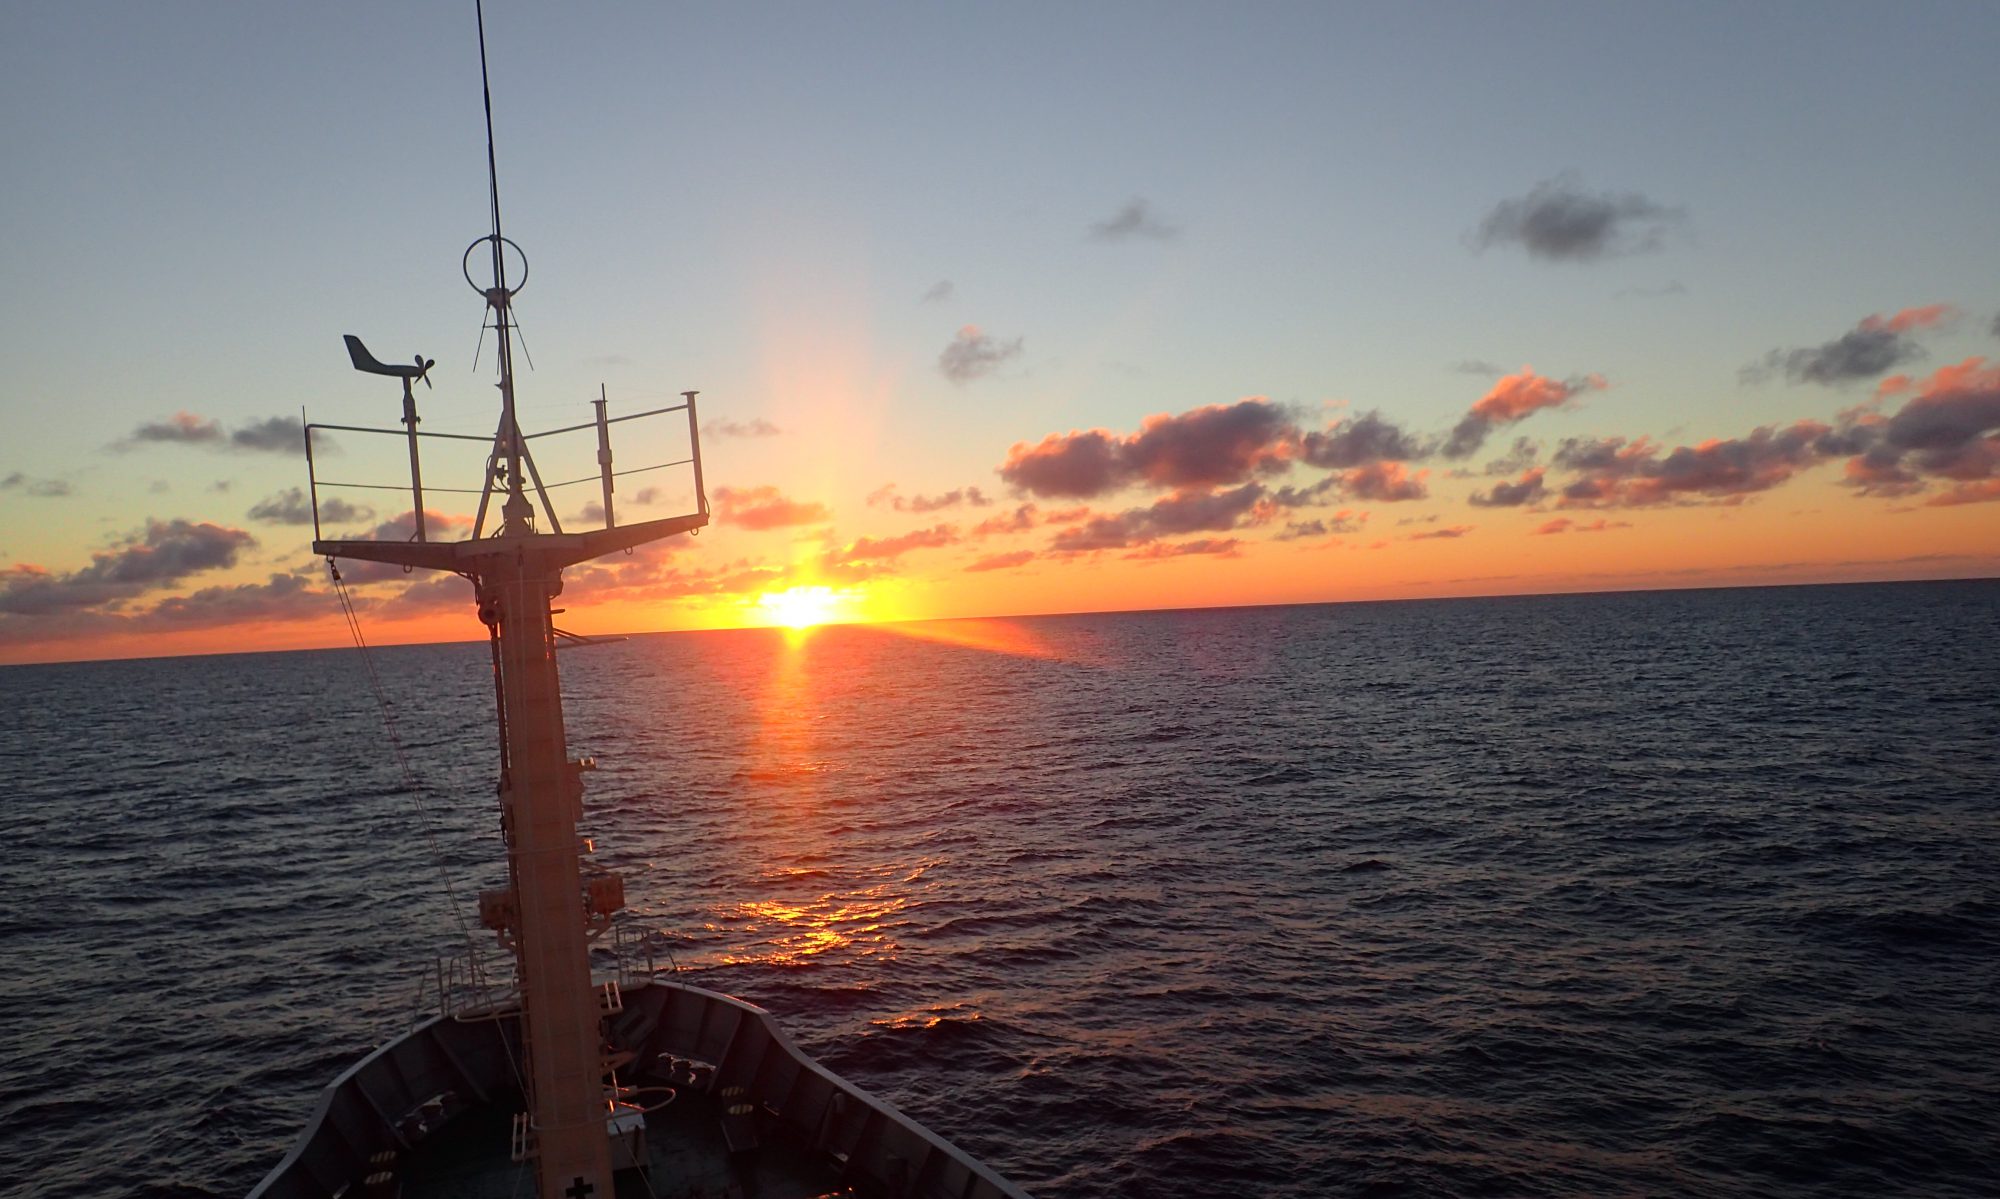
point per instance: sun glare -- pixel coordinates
(801, 607)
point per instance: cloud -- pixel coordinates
(971, 497)
(1001, 561)
(1387, 482)
(1343, 521)
(1477, 366)
(1214, 446)
(182, 428)
(1564, 524)
(281, 597)
(1450, 534)
(1358, 440)
(292, 507)
(1877, 344)
(1020, 520)
(973, 355)
(1561, 222)
(1967, 493)
(1180, 513)
(1949, 430)
(1514, 399)
(272, 435)
(163, 552)
(1134, 220)
(1225, 547)
(759, 508)
(861, 558)
(1520, 456)
(1955, 405)
(1616, 473)
(1528, 489)
(758, 427)
(939, 292)
(43, 488)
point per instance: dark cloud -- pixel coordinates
(1343, 521)
(973, 355)
(1524, 453)
(182, 428)
(1358, 440)
(44, 488)
(1135, 220)
(1325, 491)
(758, 427)
(939, 292)
(1214, 446)
(970, 497)
(1876, 345)
(292, 507)
(1449, 534)
(1513, 399)
(164, 552)
(1957, 404)
(1020, 520)
(1528, 489)
(281, 597)
(1620, 474)
(1385, 482)
(1879, 471)
(764, 507)
(1176, 515)
(1949, 430)
(1001, 561)
(1561, 222)
(272, 435)
(1221, 547)
(1477, 366)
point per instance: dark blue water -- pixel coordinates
(1647, 894)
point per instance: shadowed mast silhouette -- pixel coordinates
(552, 908)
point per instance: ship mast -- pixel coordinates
(551, 908)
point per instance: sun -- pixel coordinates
(800, 607)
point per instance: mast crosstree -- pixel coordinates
(551, 908)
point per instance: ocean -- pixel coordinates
(1668, 893)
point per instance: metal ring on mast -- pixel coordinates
(465, 265)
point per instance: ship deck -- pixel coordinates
(749, 1116)
(686, 1151)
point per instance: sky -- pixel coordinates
(1002, 310)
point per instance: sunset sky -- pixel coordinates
(1032, 308)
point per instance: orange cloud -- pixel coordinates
(758, 508)
(1912, 318)
(1515, 396)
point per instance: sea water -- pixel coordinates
(1643, 894)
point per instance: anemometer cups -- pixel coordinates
(499, 292)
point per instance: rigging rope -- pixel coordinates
(396, 746)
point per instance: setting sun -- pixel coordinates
(801, 607)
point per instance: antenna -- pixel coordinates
(516, 513)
